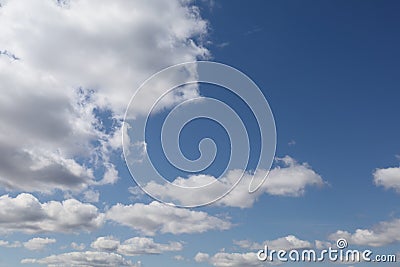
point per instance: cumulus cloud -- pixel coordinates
(157, 217)
(63, 65)
(87, 258)
(7, 244)
(38, 243)
(223, 259)
(384, 233)
(77, 246)
(25, 213)
(134, 246)
(91, 196)
(290, 180)
(179, 258)
(287, 243)
(201, 257)
(389, 178)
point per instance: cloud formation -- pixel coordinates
(38, 243)
(223, 259)
(134, 246)
(389, 178)
(383, 234)
(161, 218)
(291, 180)
(25, 213)
(64, 63)
(87, 258)
(286, 243)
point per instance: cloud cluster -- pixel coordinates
(289, 180)
(38, 243)
(384, 233)
(134, 246)
(160, 218)
(223, 259)
(25, 213)
(389, 178)
(286, 243)
(63, 64)
(87, 258)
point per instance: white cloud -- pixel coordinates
(25, 213)
(323, 244)
(77, 246)
(201, 257)
(179, 258)
(7, 244)
(134, 246)
(157, 217)
(38, 243)
(389, 178)
(223, 259)
(80, 259)
(107, 243)
(91, 196)
(107, 49)
(287, 243)
(384, 233)
(290, 180)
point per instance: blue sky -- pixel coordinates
(328, 69)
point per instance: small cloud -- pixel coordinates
(91, 196)
(201, 257)
(292, 143)
(7, 244)
(179, 258)
(38, 243)
(254, 30)
(77, 246)
(222, 45)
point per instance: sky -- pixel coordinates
(72, 141)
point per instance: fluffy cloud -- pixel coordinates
(201, 257)
(383, 234)
(134, 246)
(289, 180)
(87, 258)
(223, 259)
(25, 213)
(389, 178)
(38, 243)
(77, 246)
(63, 65)
(91, 196)
(287, 243)
(7, 244)
(157, 217)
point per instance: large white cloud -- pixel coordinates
(384, 233)
(38, 243)
(389, 178)
(157, 217)
(134, 246)
(289, 180)
(70, 60)
(25, 213)
(80, 259)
